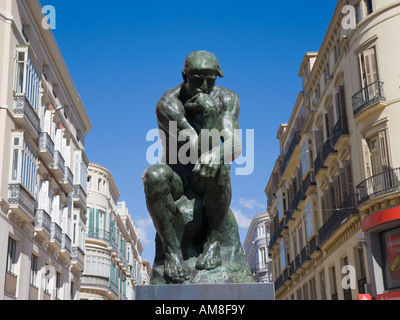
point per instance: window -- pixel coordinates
(262, 256)
(25, 31)
(23, 162)
(306, 157)
(369, 73)
(280, 213)
(80, 170)
(368, 6)
(334, 294)
(58, 285)
(358, 13)
(322, 285)
(340, 102)
(47, 278)
(26, 78)
(309, 220)
(72, 291)
(327, 74)
(376, 154)
(390, 248)
(34, 270)
(283, 256)
(11, 256)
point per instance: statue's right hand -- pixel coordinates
(200, 102)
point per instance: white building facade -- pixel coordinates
(43, 167)
(256, 247)
(113, 249)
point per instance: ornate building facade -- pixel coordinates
(334, 192)
(43, 167)
(113, 263)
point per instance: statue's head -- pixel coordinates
(200, 72)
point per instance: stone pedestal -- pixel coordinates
(234, 291)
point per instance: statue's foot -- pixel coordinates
(211, 258)
(175, 268)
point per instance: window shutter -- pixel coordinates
(369, 67)
(367, 159)
(97, 221)
(91, 221)
(342, 101)
(343, 183)
(111, 231)
(349, 174)
(384, 150)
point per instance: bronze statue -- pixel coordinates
(188, 195)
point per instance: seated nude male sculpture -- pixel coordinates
(189, 202)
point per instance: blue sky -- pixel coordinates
(123, 57)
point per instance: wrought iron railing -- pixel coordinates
(377, 185)
(318, 164)
(68, 176)
(46, 143)
(278, 282)
(367, 96)
(58, 160)
(66, 243)
(19, 196)
(78, 256)
(43, 220)
(338, 216)
(99, 234)
(295, 140)
(327, 149)
(341, 128)
(309, 181)
(56, 232)
(23, 107)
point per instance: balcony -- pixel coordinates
(320, 169)
(341, 134)
(94, 282)
(278, 283)
(338, 217)
(114, 289)
(368, 98)
(46, 148)
(305, 256)
(77, 259)
(33, 292)
(309, 184)
(22, 204)
(25, 116)
(378, 185)
(286, 276)
(66, 248)
(329, 154)
(98, 234)
(295, 141)
(56, 235)
(58, 166)
(10, 285)
(79, 197)
(68, 182)
(42, 224)
(314, 247)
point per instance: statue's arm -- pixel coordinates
(170, 109)
(229, 125)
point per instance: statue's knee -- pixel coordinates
(224, 175)
(156, 179)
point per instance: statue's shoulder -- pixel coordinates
(169, 98)
(226, 95)
(169, 104)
